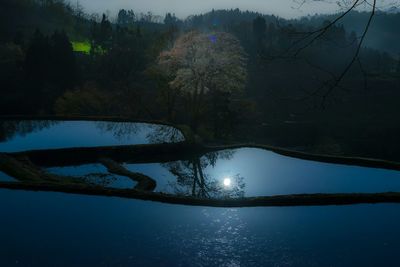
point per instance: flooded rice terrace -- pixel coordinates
(71, 229)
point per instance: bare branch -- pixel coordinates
(316, 34)
(355, 57)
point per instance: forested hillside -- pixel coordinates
(56, 59)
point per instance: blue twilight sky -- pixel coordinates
(184, 8)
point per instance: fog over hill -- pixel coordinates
(184, 8)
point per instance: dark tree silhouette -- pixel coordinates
(126, 17)
(37, 68)
(171, 20)
(50, 68)
(259, 28)
(105, 34)
(64, 64)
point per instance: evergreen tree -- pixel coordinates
(259, 28)
(63, 61)
(37, 60)
(105, 33)
(170, 19)
(37, 66)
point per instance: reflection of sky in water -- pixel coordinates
(268, 173)
(111, 180)
(87, 134)
(156, 171)
(92, 231)
(6, 178)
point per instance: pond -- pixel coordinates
(29, 135)
(54, 229)
(259, 172)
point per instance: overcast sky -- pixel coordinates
(184, 8)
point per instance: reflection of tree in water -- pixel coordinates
(154, 133)
(191, 179)
(99, 179)
(120, 130)
(9, 129)
(164, 134)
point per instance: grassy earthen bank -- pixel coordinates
(266, 201)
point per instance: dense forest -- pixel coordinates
(57, 59)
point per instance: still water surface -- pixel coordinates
(258, 172)
(28, 135)
(54, 229)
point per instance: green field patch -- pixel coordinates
(81, 47)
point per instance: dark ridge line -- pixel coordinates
(267, 201)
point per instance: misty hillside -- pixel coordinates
(56, 59)
(23, 16)
(383, 34)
